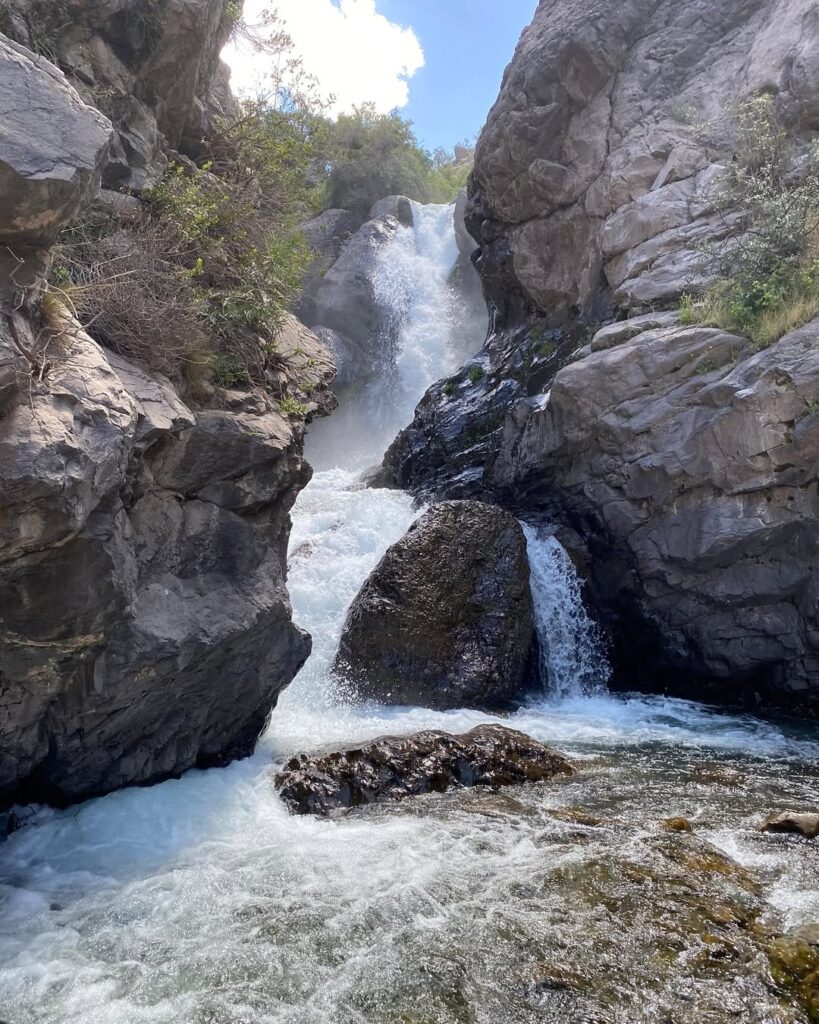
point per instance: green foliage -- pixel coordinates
(290, 406)
(230, 371)
(476, 374)
(373, 155)
(768, 268)
(370, 155)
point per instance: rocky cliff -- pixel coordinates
(685, 459)
(145, 626)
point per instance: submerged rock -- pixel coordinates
(793, 822)
(395, 767)
(445, 619)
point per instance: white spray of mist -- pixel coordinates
(573, 660)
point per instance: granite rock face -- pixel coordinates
(396, 767)
(445, 619)
(154, 69)
(144, 619)
(594, 176)
(684, 459)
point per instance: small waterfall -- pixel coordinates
(573, 661)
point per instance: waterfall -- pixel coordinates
(419, 342)
(573, 661)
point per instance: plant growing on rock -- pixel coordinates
(768, 265)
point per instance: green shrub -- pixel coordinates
(476, 373)
(768, 268)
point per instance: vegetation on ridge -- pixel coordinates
(768, 266)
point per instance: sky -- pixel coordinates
(440, 62)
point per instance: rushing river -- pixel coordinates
(201, 901)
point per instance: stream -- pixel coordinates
(202, 901)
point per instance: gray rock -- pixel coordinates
(398, 207)
(396, 767)
(52, 149)
(344, 298)
(803, 824)
(445, 619)
(610, 132)
(145, 626)
(353, 363)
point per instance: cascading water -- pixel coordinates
(418, 343)
(572, 655)
(202, 901)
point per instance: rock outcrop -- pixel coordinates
(144, 620)
(684, 459)
(340, 301)
(153, 68)
(593, 180)
(445, 619)
(396, 767)
(145, 626)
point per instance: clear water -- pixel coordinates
(201, 901)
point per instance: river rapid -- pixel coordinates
(202, 901)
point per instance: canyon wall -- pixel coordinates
(681, 461)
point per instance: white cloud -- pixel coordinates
(356, 54)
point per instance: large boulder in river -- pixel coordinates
(445, 619)
(344, 297)
(395, 767)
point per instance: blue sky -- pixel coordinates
(439, 62)
(467, 45)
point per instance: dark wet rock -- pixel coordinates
(396, 767)
(445, 619)
(793, 823)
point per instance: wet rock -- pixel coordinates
(445, 619)
(395, 767)
(677, 825)
(794, 823)
(393, 206)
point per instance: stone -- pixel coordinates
(145, 623)
(343, 299)
(445, 620)
(398, 207)
(396, 767)
(609, 133)
(793, 822)
(53, 148)
(677, 824)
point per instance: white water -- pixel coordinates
(419, 343)
(573, 660)
(201, 901)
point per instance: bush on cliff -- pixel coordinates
(768, 266)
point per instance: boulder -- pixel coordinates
(445, 620)
(396, 767)
(794, 823)
(53, 148)
(344, 298)
(398, 207)
(145, 626)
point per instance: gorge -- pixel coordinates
(169, 645)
